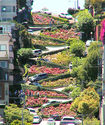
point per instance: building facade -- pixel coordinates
(7, 13)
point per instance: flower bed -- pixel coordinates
(43, 69)
(40, 19)
(62, 109)
(62, 34)
(58, 83)
(46, 42)
(51, 94)
(34, 102)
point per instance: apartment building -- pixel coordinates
(7, 13)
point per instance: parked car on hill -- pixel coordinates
(56, 117)
(68, 120)
(37, 52)
(32, 111)
(51, 121)
(37, 119)
(62, 15)
(36, 84)
(38, 77)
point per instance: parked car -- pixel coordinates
(37, 119)
(56, 117)
(37, 52)
(42, 59)
(30, 31)
(62, 15)
(38, 77)
(68, 16)
(32, 111)
(88, 42)
(36, 84)
(69, 120)
(51, 121)
(49, 103)
(47, 12)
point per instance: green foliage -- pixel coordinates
(62, 58)
(87, 103)
(76, 92)
(65, 26)
(19, 122)
(23, 54)
(91, 62)
(71, 40)
(54, 78)
(68, 89)
(92, 121)
(85, 23)
(58, 83)
(77, 48)
(13, 113)
(25, 38)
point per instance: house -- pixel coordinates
(7, 13)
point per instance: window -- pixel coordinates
(1, 91)
(1, 30)
(3, 9)
(13, 8)
(10, 48)
(3, 48)
(3, 64)
(6, 76)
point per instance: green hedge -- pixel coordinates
(53, 78)
(52, 65)
(48, 38)
(34, 88)
(26, 71)
(39, 47)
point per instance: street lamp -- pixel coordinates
(91, 33)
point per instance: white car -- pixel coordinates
(37, 119)
(51, 121)
(67, 120)
(88, 42)
(30, 31)
(32, 111)
(68, 16)
(62, 15)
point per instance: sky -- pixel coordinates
(56, 6)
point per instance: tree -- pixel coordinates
(76, 92)
(91, 61)
(77, 48)
(72, 11)
(24, 54)
(12, 113)
(85, 23)
(87, 103)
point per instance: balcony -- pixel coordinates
(4, 55)
(4, 37)
(11, 66)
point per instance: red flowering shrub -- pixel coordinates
(52, 94)
(40, 19)
(62, 109)
(33, 102)
(62, 34)
(43, 69)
